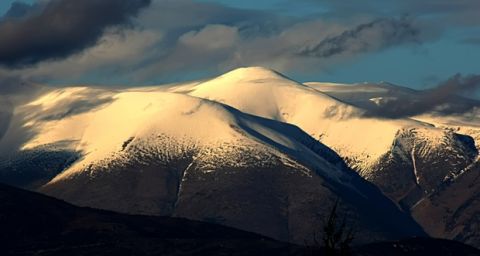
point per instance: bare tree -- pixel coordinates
(337, 238)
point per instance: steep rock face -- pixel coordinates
(452, 211)
(420, 161)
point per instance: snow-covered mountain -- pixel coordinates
(152, 152)
(251, 149)
(407, 158)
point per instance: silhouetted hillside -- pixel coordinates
(34, 224)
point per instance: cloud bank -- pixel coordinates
(59, 28)
(73, 41)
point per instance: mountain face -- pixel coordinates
(366, 143)
(449, 206)
(169, 154)
(251, 149)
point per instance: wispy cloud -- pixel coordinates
(371, 36)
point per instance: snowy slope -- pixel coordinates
(151, 152)
(102, 132)
(362, 141)
(266, 93)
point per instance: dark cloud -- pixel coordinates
(59, 28)
(444, 98)
(375, 35)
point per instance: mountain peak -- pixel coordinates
(253, 73)
(247, 80)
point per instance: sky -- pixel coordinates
(417, 44)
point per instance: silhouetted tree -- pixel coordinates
(337, 238)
